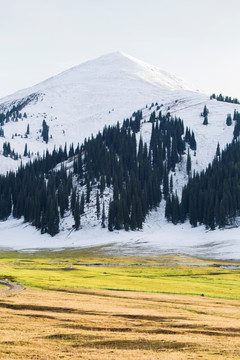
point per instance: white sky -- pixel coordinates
(197, 40)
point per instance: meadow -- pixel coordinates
(82, 304)
(92, 269)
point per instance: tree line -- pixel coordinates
(228, 99)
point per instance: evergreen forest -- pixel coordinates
(136, 175)
(212, 197)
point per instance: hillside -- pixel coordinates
(78, 103)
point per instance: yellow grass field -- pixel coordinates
(70, 310)
(100, 324)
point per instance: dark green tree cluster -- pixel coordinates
(212, 197)
(2, 119)
(135, 125)
(5, 198)
(38, 198)
(224, 98)
(37, 193)
(190, 139)
(6, 149)
(167, 143)
(236, 118)
(8, 152)
(134, 122)
(137, 174)
(13, 114)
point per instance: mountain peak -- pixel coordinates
(116, 69)
(97, 92)
(122, 65)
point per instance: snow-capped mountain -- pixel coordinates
(80, 102)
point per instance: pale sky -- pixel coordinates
(198, 40)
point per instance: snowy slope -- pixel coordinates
(81, 101)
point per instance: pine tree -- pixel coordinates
(88, 191)
(205, 111)
(168, 209)
(97, 206)
(77, 214)
(63, 199)
(52, 216)
(110, 216)
(45, 130)
(229, 120)
(174, 154)
(6, 149)
(73, 200)
(2, 119)
(103, 216)
(175, 209)
(193, 211)
(25, 151)
(102, 184)
(133, 222)
(139, 214)
(218, 151)
(235, 114)
(165, 183)
(192, 142)
(189, 164)
(205, 121)
(82, 204)
(171, 184)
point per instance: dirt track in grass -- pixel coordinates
(8, 287)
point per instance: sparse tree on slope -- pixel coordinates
(77, 214)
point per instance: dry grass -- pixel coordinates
(3, 288)
(101, 324)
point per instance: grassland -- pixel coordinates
(100, 324)
(69, 270)
(71, 310)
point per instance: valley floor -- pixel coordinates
(101, 324)
(80, 304)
